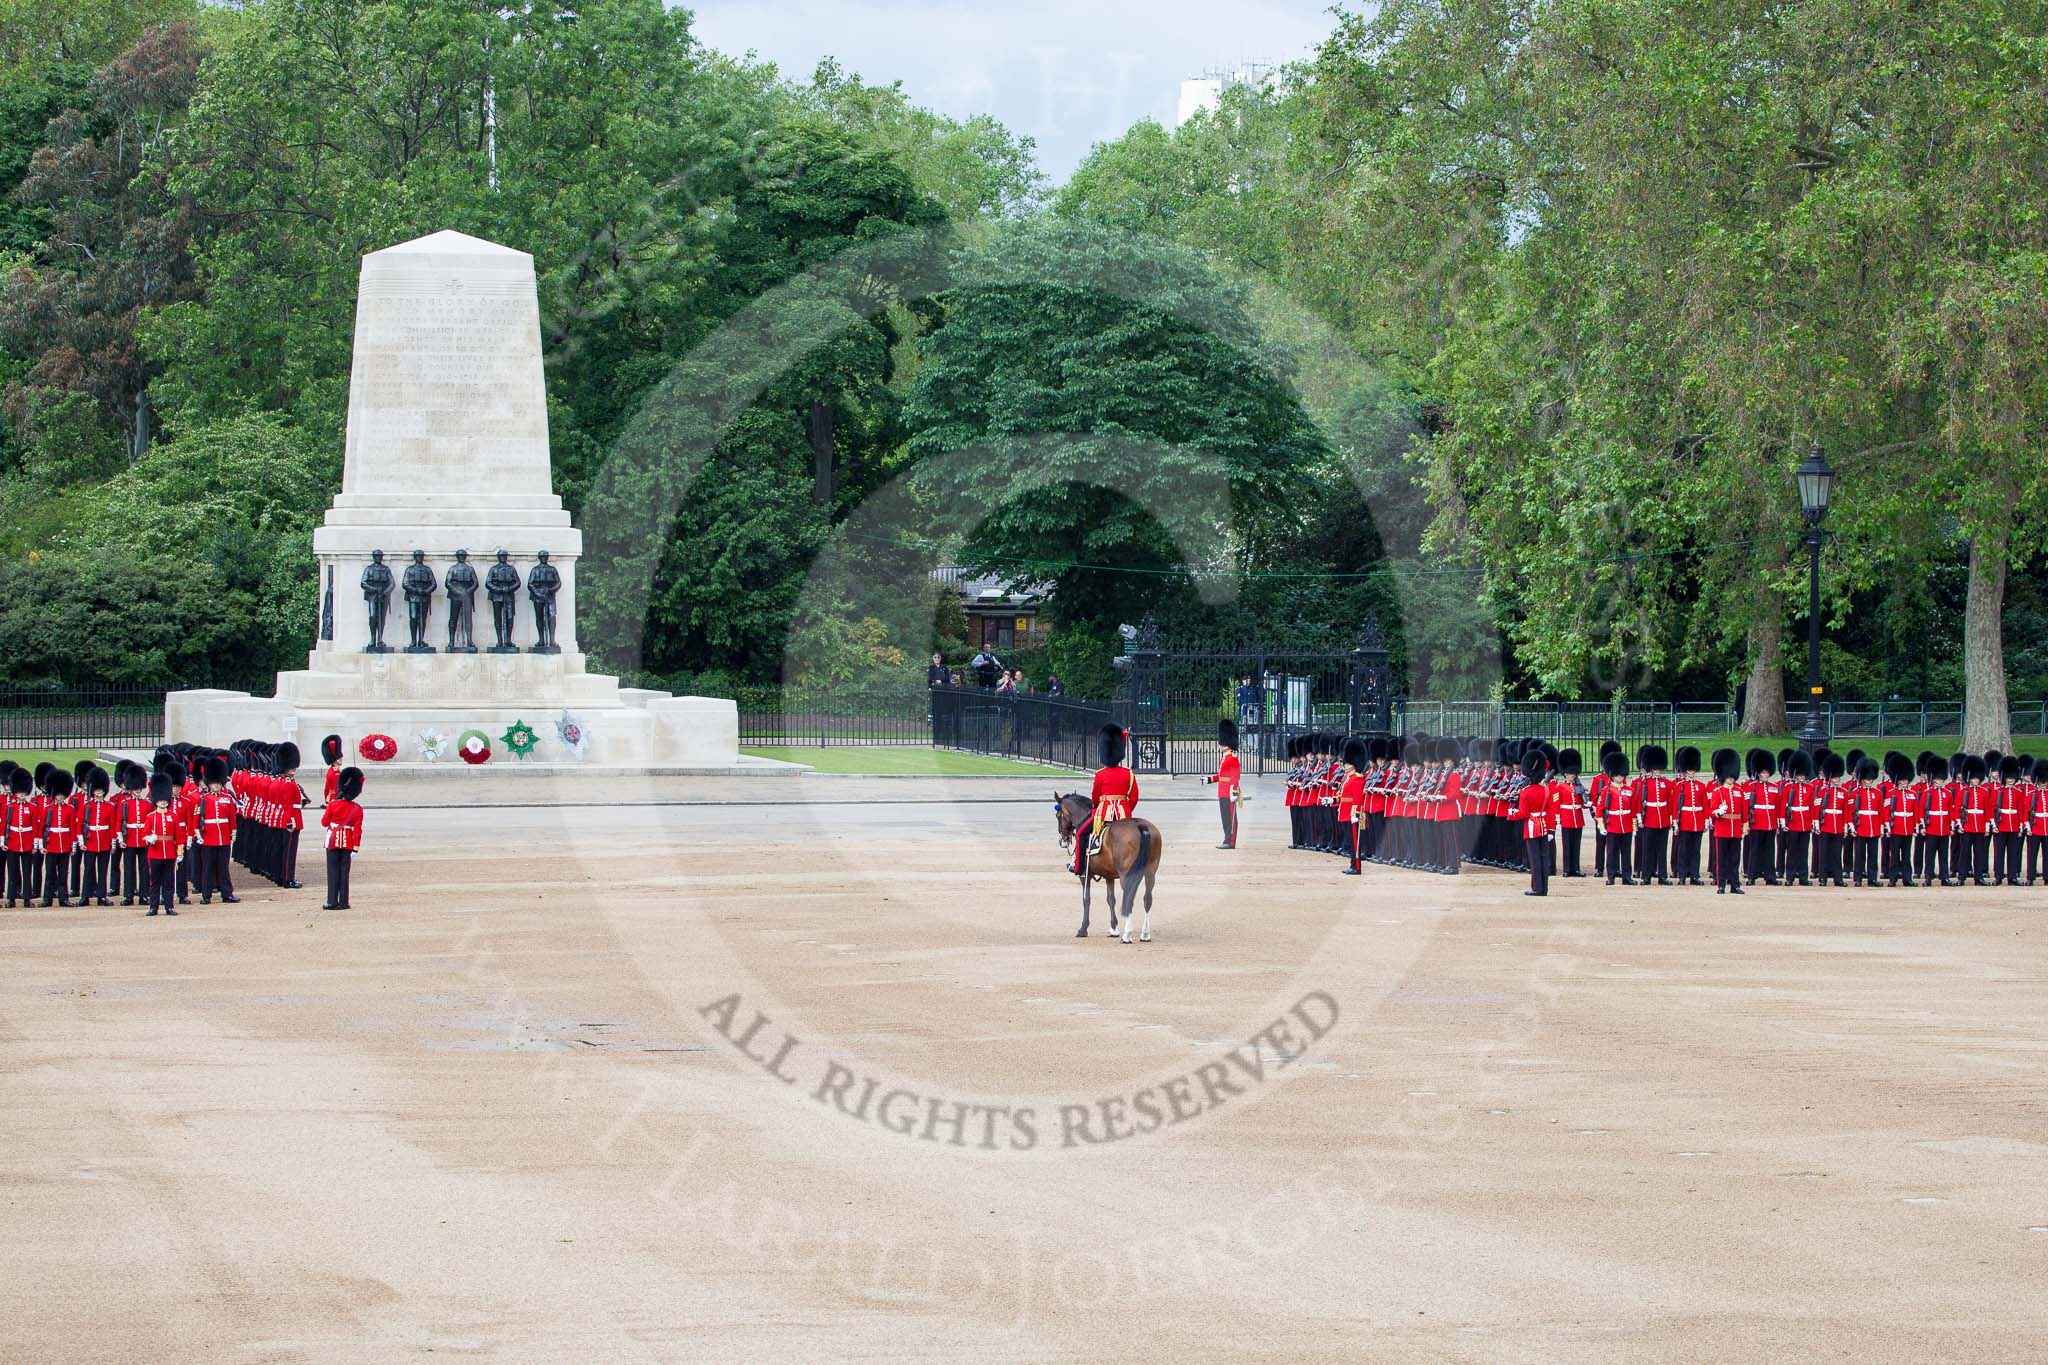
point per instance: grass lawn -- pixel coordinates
(891, 761)
(63, 758)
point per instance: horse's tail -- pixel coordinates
(1144, 850)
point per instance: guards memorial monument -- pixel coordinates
(447, 458)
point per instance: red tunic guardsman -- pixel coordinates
(1532, 811)
(23, 829)
(1689, 794)
(99, 832)
(2011, 821)
(1351, 802)
(1908, 802)
(133, 808)
(163, 835)
(1728, 816)
(1114, 794)
(1616, 810)
(330, 754)
(1226, 781)
(343, 821)
(217, 819)
(1657, 798)
(1937, 824)
(1869, 810)
(2037, 822)
(59, 839)
(1760, 848)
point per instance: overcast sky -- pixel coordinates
(1067, 72)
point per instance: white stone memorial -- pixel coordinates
(448, 450)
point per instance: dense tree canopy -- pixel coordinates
(1505, 319)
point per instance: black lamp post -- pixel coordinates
(1816, 482)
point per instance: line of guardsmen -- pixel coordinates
(173, 827)
(1789, 818)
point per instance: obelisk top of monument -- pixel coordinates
(446, 403)
(458, 246)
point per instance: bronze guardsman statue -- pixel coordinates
(377, 583)
(502, 584)
(418, 585)
(542, 584)
(461, 584)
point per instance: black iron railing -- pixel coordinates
(1022, 725)
(81, 718)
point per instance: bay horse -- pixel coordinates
(1129, 853)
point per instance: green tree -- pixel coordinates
(1105, 409)
(115, 245)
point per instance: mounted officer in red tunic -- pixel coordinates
(1114, 795)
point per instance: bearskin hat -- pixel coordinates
(1784, 757)
(1923, 761)
(2009, 768)
(1357, 753)
(1855, 759)
(1534, 766)
(1973, 769)
(60, 783)
(1898, 767)
(1866, 770)
(1110, 746)
(1799, 765)
(137, 778)
(286, 757)
(1608, 746)
(350, 784)
(1688, 758)
(1412, 752)
(1449, 750)
(1614, 763)
(1652, 758)
(1820, 758)
(1760, 763)
(1833, 766)
(1991, 759)
(1727, 766)
(43, 771)
(160, 789)
(1569, 762)
(20, 782)
(176, 771)
(2041, 770)
(1226, 735)
(96, 782)
(216, 769)
(80, 769)
(1937, 768)
(7, 767)
(330, 749)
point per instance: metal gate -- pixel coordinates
(1175, 692)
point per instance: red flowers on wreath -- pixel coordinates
(378, 748)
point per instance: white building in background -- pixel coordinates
(1205, 91)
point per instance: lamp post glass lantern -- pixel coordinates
(1816, 481)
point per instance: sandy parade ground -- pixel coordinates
(812, 1068)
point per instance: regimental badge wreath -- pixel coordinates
(474, 746)
(520, 739)
(378, 748)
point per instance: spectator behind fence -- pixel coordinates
(1009, 685)
(936, 675)
(1053, 687)
(1247, 701)
(987, 669)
